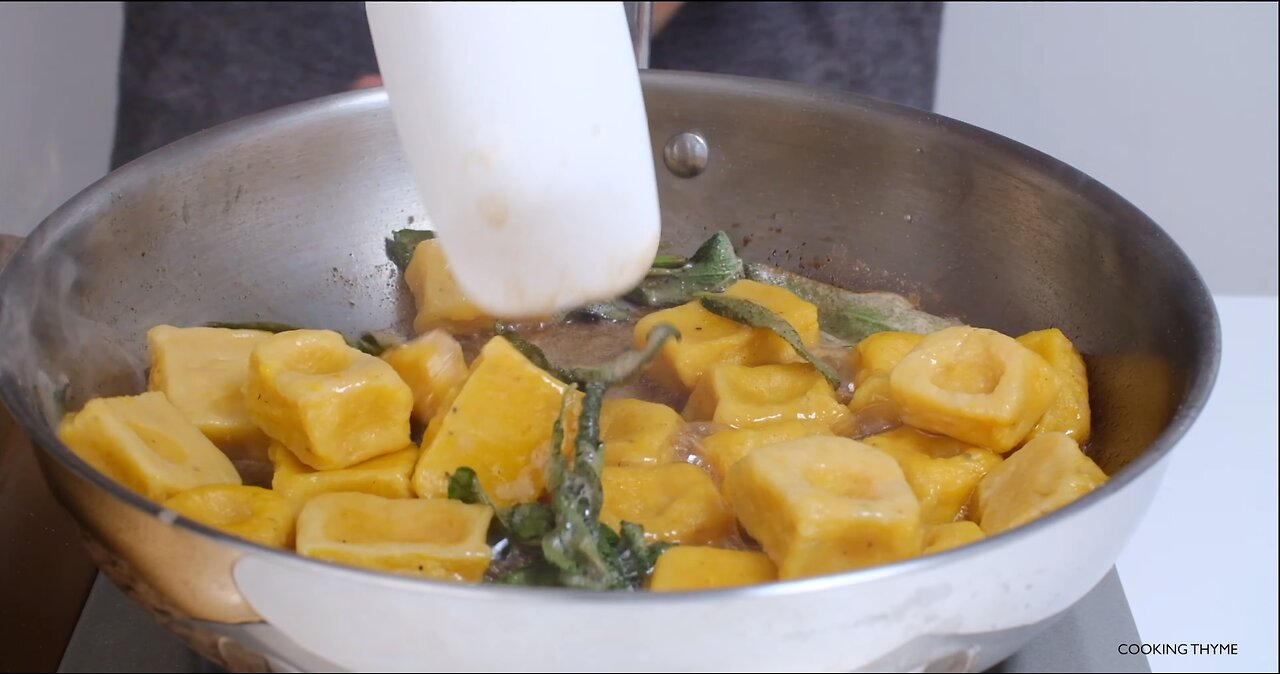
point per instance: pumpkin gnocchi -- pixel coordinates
(757, 431)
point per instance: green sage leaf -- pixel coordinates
(403, 242)
(852, 316)
(713, 268)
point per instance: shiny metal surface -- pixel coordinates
(44, 571)
(282, 216)
(115, 634)
(686, 154)
(640, 20)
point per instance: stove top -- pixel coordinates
(116, 635)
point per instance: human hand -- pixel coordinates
(366, 82)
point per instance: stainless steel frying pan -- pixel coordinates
(282, 217)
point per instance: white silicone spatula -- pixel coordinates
(524, 125)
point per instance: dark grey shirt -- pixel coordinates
(887, 50)
(186, 66)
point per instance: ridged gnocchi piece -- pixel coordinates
(943, 472)
(705, 338)
(433, 367)
(252, 513)
(638, 432)
(708, 339)
(333, 406)
(203, 372)
(675, 502)
(145, 443)
(387, 476)
(768, 348)
(870, 361)
(692, 567)
(721, 450)
(1044, 475)
(430, 538)
(940, 537)
(743, 397)
(879, 353)
(974, 385)
(439, 298)
(824, 505)
(499, 425)
(1070, 412)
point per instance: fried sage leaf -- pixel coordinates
(524, 524)
(851, 316)
(587, 553)
(264, 326)
(713, 267)
(575, 545)
(670, 261)
(620, 370)
(369, 343)
(529, 350)
(627, 366)
(403, 242)
(636, 556)
(527, 523)
(749, 313)
(464, 486)
(536, 574)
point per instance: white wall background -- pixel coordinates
(58, 66)
(1172, 105)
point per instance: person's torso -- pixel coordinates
(187, 66)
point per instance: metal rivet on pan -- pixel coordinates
(686, 154)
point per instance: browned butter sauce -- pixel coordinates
(584, 344)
